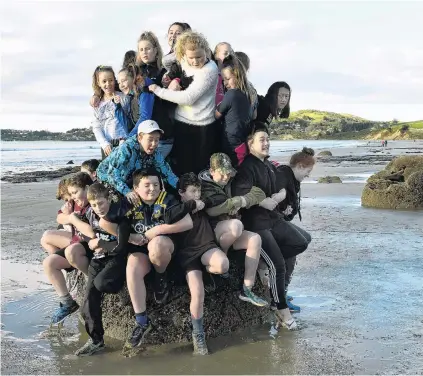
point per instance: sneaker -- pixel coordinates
(292, 307)
(199, 342)
(264, 276)
(90, 348)
(161, 288)
(248, 296)
(289, 298)
(138, 334)
(289, 324)
(64, 311)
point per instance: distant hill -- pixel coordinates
(303, 124)
(314, 124)
(76, 134)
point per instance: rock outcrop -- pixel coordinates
(325, 153)
(398, 186)
(224, 312)
(330, 179)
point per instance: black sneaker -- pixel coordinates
(209, 282)
(225, 275)
(90, 348)
(199, 342)
(138, 334)
(161, 288)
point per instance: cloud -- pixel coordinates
(359, 57)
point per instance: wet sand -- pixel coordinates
(359, 285)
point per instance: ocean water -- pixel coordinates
(26, 156)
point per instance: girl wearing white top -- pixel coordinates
(196, 131)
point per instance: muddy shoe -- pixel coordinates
(161, 288)
(248, 296)
(62, 312)
(90, 348)
(199, 342)
(138, 335)
(289, 324)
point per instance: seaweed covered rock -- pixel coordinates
(325, 153)
(330, 179)
(398, 186)
(224, 312)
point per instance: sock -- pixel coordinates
(197, 325)
(141, 318)
(66, 300)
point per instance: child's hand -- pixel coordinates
(94, 101)
(66, 208)
(152, 233)
(116, 98)
(152, 87)
(165, 80)
(174, 85)
(107, 149)
(94, 244)
(133, 198)
(288, 210)
(138, 239)
(280, 196)
(199, 206)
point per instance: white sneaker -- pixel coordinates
(264, 276)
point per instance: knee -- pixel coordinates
(108, 286)
(255, 241)
(236, 227)
(48, 263)
(222, 265)
(72, 253)
(159, 249)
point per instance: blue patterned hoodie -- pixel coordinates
(117, 169)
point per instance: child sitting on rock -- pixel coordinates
(151, 244)
(197, 249)
(106, 272)
(229, 231)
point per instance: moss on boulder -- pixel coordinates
(325, 153)
(330, 179)
(224, 312)
(381, 192)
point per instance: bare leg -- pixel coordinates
(216, 261)
(77, 257)
(227, 232)
(196, 288)
(53, 240)
(252, 243)
(137, 268)
(53, 265)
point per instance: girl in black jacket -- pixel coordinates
(280, 239)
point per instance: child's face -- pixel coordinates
(222, 51)
(283, 97)
(126, 82)
(106, 81)
(260, 145)
(149, 141)
(228, 78)
(147, 52)
(78, 195)
(173, 34)
(93, 175)
(196, 58)
(301, 172)
(148, 189)
(219, 177)
(192, 192)
(101, 206)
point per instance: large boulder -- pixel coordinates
(224, 312)
(398, 186)
(325, 153)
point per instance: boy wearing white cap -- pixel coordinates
(137, 152)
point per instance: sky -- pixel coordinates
(360, 57)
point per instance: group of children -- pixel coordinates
(122, 218)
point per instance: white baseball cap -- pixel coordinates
(148, 126)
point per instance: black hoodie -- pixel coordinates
(285, 178)
(254, 172)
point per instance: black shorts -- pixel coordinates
(132, 248)
(191, 260)
(88, 252)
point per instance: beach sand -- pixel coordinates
(359, 286)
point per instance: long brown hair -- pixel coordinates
(149, 36)
(232, 63)
(96, 88)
